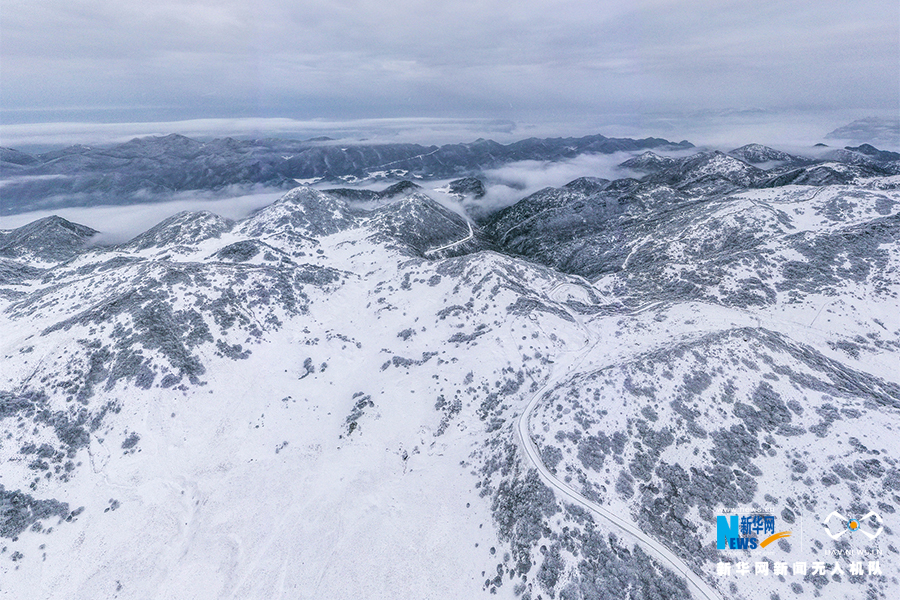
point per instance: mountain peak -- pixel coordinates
(12, 156)
(51, 239)
(467, 186)
(186, 228)
(174, 145)
(647, 162)
(400, 188)
(874, 153)
(423, 225)
(757, 153)
(302, 211)
(587, 185)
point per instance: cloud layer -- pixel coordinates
(530, 60)
(421, 130)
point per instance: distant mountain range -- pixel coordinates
(82, 175)
(873, 130)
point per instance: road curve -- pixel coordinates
(456, 243)
(698, 586)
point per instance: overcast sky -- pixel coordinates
(530, 61)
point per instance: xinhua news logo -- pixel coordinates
(734, 532)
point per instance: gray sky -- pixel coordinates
(549, 61)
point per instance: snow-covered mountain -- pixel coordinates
(353, 394)
(649, 162)
(757, 154)
(47, 240)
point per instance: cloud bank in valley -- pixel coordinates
(118, 224)
(505, 186)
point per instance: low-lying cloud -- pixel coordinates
(504, 186)
(118, 224)
(786, 130)
(510, 183)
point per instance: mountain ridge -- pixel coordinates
(176, 163)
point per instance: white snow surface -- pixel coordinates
(322, 465)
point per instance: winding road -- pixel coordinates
(456, 243)
(698, 586)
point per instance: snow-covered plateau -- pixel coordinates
(369, 395)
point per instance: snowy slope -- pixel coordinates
(176, 389)
(330, 401)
